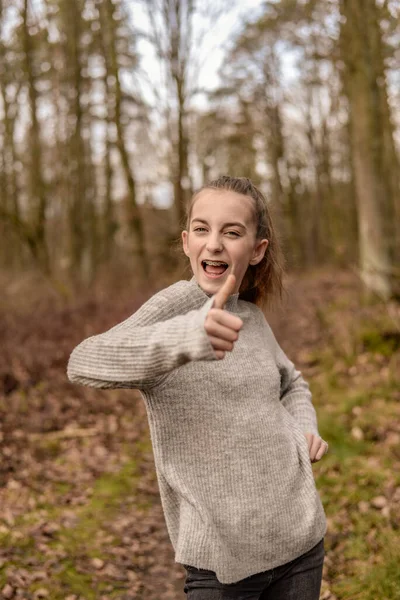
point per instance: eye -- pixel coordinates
(235, 233)
(200, 229)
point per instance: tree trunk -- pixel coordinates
(37, 184)
(134, 217)
(367, 141)
(179, 37)
(8, 176)
(77, 155)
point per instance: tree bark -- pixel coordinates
(37, 183)
(365, 101)
(77, 154)
(134, 217)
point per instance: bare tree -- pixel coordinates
(37, 182)
(110, 31)
(371, 140)
(179, 30)
(10, 87)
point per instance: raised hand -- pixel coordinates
(223, 328)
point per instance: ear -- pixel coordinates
(185, 237)
(259, 252)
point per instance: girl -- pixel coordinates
(232, 424)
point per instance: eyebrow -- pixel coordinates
(232, 224)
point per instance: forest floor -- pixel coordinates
(80, 514)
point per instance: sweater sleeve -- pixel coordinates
(295, 393)
(138, 352)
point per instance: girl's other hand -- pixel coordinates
(317, 447)
(222, 327)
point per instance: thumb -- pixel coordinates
(226, 290)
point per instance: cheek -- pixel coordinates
(192, 247)
(243, 253)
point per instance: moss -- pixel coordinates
(372, 580)
(368, 567)
(67, 580)
(19, 545)
(63, 487)
(380, 342)
(80, 542)
(109, 492)
(341, 444)
(71, 581)
(47, 449)
(144, 445)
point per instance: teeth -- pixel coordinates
(216, 263)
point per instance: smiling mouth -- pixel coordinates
(214, 267)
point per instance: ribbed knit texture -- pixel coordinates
(232, 461)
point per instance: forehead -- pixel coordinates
(222, 205)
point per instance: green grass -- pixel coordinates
(109, 494)
(372, 582)
(79, 543)
(82, 542)
(363, 546)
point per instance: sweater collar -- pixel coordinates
(231, 303)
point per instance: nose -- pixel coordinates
(214, 243)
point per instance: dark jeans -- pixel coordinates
(299, 579)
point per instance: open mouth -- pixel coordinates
(214, 268)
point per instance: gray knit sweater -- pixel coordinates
(233, 468)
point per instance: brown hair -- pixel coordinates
(262, 283)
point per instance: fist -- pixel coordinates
(317, 447)
(223, 328)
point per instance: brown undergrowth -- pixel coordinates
(80, 511)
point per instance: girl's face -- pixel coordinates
(222, 230)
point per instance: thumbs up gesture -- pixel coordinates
(222, 328)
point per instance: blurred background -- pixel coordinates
(112, 113)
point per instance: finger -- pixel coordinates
(219, 344)
(318, 448)
(309, 438)
(221, 332)
(316, 442)
(319, 454)
(225, 318)
(219, 354)
(226, 290)
(322, 451)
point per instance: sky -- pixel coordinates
(217, 37)
(214, 47)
